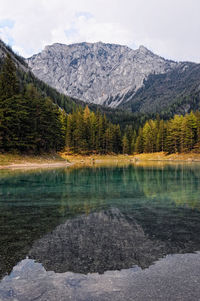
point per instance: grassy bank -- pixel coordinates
(29, 161)
(14, 161)
(188, 157)
(90, 160)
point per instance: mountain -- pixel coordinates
(172, 88)
(26, 76)
(105, 74)
(177, 91)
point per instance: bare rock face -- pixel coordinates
(106, 74)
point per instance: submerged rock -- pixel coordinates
(100, 241)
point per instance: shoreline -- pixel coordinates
(13, 162)
(34, 165)
(163, 157)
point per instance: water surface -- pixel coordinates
(101, 233)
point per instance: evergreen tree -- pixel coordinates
(129, 135)
(161, 137)
(125, 144)
(9, 111)
(9, 85)
(197, 144)
(173, 143)
(149, 136)
(109, 139)
(134, 136)
(188, 132)
(70, 132)
(93, 131)
(139, 145)
(117, 140)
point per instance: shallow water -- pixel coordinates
(101, 233)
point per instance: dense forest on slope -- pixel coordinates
(29, 122)
(17, 59)
(25, 76)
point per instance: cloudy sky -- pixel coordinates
(168, 27)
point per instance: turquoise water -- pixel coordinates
(94, 220)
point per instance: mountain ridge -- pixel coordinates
(178, 88)
(99, 73)
(174, 92)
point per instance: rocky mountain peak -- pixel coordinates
(143, 49)
(97, 72)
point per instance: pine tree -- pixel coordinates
(125, 144)
(9, 85)
(9, 88)
(28, 121)
(117, 140)
(173, 143)
(139, 145)
(129, 135)
(149, 136)
(161, 137)
(102, 124)
(197, 143)
(109, 138)
(70, 130)
(134, 137)
(93, 131)
(87, 128)
(188, 132)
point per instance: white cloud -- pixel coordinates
(168, 27)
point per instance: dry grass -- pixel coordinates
(91, 160)
(63, 159)
(15, 160)
(188, 157)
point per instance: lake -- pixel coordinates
(100, 233)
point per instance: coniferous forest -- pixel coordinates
(32, 123)
(28, 121)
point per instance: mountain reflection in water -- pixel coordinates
(101, 241)
(97, 242)
(92, 220)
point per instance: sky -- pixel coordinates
(169, 28)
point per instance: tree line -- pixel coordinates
(90, 132)
(177, 135)
(31, 122)
(87, 131)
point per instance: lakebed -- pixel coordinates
(102, 232)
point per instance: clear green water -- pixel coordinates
(93, 220)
